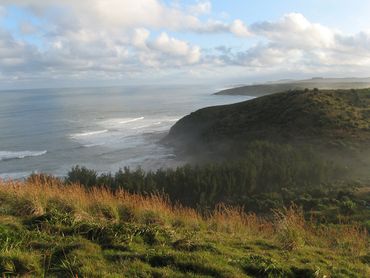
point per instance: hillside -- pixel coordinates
(337, 119)
(286, 85)
(48, 229)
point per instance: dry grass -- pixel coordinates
(289, 227)
(36, 197)
(235, 220)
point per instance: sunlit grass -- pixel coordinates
(50, 229)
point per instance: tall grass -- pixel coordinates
(288, 227)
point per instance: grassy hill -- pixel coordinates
(49, 229)
(286, 85)
(329, 118)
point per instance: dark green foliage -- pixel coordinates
(326, 120)
(267, 168)
(83, 176)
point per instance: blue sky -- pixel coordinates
(113, 42)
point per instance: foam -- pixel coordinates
(131, 120)
(9, 155)
(118, 132)
(93, 145)
(89, 133)
(149, 125)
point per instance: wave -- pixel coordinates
(89, 133)
(7, 155)
(131, 120)
(93, 145)
(122, 132)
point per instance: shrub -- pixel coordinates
(83, 176)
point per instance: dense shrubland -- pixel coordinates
(267, 168)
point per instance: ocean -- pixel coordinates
(51, 130)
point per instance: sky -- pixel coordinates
(62, 43)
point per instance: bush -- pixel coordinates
(83, 176)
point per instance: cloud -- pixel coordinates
(124, 14)
(27, 28)
(164, 50)
(294, 30)
(120, 38)
(239, 29)
(111, 35)
(293, 42)
(176, 48)
(15, 55)
(202, 7)
(2, 12)
(140, 38)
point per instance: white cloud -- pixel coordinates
(164, 50)
(140, 38)
(293, 42)
(89, 35)
(175, 47)
(124, 14)
(294, 30)
(202, 7)
(115, 38)
(239, 29)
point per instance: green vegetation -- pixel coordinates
(204, 187)
(325, 120)
(49, 229)
(267, 168)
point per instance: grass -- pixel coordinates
(52, 230)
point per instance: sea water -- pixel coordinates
(51, 130)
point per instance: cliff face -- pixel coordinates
(328, 118)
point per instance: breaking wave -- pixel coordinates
(8, 155)
(88, 133)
